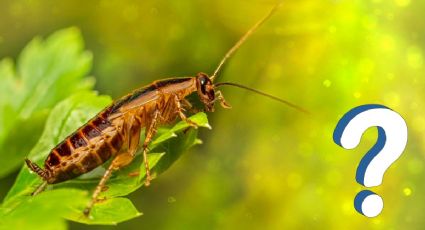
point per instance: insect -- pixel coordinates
(115, 131)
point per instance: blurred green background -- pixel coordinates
(263, 165)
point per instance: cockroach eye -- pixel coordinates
(203, 89)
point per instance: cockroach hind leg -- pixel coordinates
(40, 188)
(148, 180)
(148, 177)
(146, 163)
(118, 162)
(86, 211)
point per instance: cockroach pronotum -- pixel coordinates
(115, 131)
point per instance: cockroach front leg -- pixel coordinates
(222, 101)
(187, 105)
(121, 160)
(180, 110)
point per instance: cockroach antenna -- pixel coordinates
(236, 47)
(242, 40)
(292, 105)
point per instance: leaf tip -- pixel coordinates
(208, 126)
(198, 141)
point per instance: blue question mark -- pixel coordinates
(391, 142)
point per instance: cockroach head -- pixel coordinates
(205, 91)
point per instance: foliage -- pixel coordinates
(67, 200)
(47, 71)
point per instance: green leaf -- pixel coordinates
(66, 117)
(110, 212)
(47, 72)
(44, 211)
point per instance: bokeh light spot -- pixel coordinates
(171, 199)
(332, 29)
(414, 57)
(387, 43)
(327, 83)
(415, 166)
(366, 66)
(407, 191)
(357, 95)
(402, 3)
(347, 207)
(392, 99)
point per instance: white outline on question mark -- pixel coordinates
(392, 140)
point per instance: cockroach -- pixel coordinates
(115, 131)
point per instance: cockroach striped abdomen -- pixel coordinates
(85, 149)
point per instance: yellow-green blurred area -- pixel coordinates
(263, 165)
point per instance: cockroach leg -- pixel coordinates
(189, 107)
(222, 101)
(186, 103)
(40, 188)
(99, 187)
(180, 110)
(134, 130)
(134, 174)
(150, 132)
(105, 188)
(114, 166)
(121, 160)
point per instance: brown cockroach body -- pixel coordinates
(105, 135)
(115, 131)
